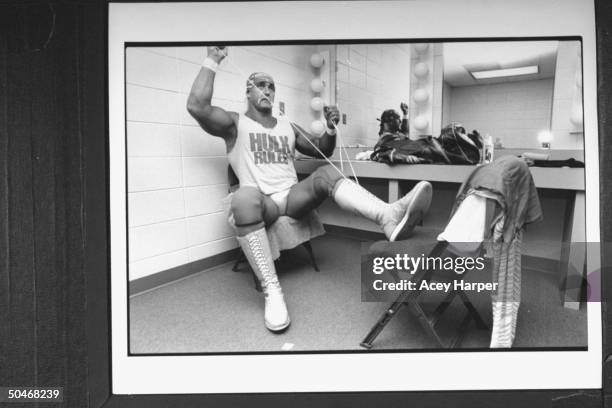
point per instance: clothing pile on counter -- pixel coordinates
(453, 146)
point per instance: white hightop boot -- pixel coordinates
(256, 248)
(396, 219)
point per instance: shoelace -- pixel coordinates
(269, 279)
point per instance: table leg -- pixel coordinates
(393, 190)
(574, 259)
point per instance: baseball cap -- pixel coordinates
(389, 115)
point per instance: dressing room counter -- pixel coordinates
(557, 178)
(571, 180)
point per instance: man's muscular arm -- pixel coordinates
(212, 119)
(326, 143)
(404, 128)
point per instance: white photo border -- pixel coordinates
(343, 20)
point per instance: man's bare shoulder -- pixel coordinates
(234, 116)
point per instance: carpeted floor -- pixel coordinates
(218, 311)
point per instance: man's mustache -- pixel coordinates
(264, 98)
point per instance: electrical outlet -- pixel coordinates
(281, 108)
(344, 118)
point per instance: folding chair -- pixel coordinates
(424, 240)
(241, 263)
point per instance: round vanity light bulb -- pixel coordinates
(421, 123)
(316, 85)
(317, 104)
(316, 60)
(420, 96)
(421, 70)
(317, 127)
(576, 117)
(545, 136)
(421, 47)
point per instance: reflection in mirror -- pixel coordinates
(525, 95)
(370, 79)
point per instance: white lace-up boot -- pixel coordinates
(396, 219)
(256, 248)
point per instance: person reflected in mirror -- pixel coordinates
(393, 126)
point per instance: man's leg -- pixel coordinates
(252, 211)
(396, 219)
(310, 193)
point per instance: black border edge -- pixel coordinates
(99, 359)
(96, 209)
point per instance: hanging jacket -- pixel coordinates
(508, 181)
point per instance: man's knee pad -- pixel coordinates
(247, 206)
(324, 179)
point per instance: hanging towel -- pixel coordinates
(507, 298)
(507, 180)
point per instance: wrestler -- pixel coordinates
(390, 122)
(391, 128)
(260, 149)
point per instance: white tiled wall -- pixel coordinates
(567, 97)
(515, 112)
(177, 174)
(370, 79)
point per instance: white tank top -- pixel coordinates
(262, 157)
